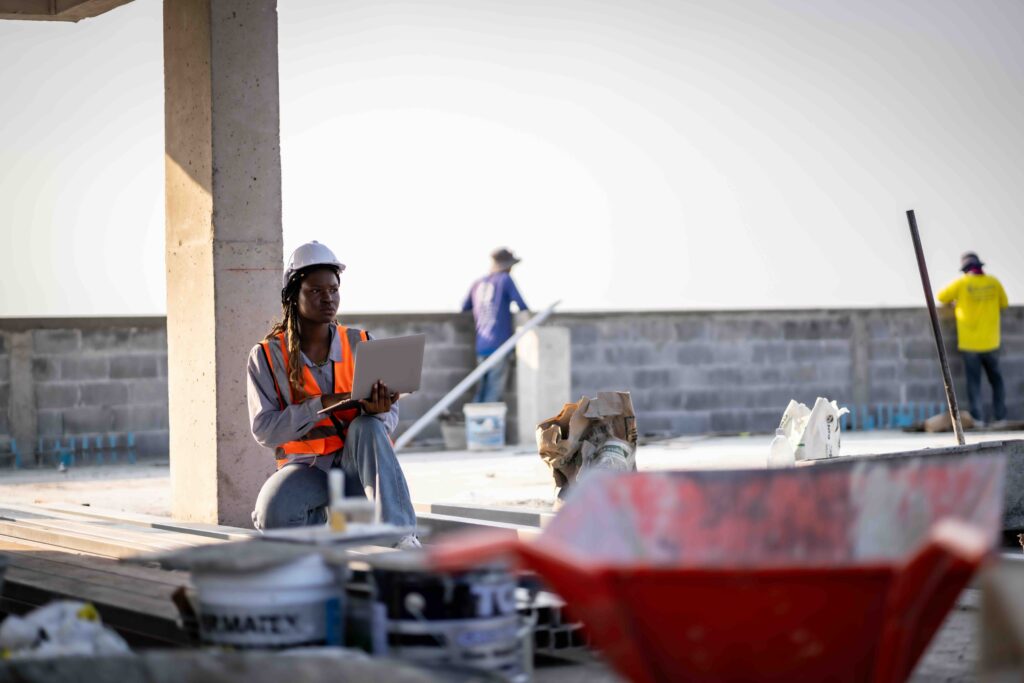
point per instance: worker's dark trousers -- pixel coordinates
(492, 385)
(296, 495)
(973, 363)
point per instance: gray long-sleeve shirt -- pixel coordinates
(271, 426)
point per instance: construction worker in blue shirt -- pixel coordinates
(490, 298)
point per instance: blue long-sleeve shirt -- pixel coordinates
(490, 298)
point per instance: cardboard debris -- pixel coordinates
(593, 433)
(944, 423)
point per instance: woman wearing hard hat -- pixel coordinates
(306, 363)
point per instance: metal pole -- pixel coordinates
(472, 377)
(954, 409)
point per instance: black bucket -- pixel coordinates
(466, 619)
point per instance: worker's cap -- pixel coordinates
(310, 254)
(970, 260)
(504, 258)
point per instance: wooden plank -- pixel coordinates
(535, 518)
(141, 587)
(30, 529)
(152, 574)
(216, 531)
(111, 529)
(443, 524)
(87, 544)
(142, 618)
(143, 540)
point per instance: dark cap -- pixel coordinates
(970, 260)
(504, 258)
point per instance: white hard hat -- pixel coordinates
(310, 254)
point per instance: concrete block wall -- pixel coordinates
(692, 373)
(689, 372)
(5, 388)
(93, 377)
(700, 372)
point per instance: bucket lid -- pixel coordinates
(484, 408)
(241, 556)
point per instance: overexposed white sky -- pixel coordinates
(637, 155)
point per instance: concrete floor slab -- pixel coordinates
(511, 477)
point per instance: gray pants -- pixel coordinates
(296, 495)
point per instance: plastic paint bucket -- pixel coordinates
(298, 603)
(485, 425)
(465, 619)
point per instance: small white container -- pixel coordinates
(298, 603)
(485, 425)
(780, 453)
(454, 434)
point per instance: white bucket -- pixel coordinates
(298, 603)
(485, 425)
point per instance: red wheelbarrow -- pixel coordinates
(839, 573)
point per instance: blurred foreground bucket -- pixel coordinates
(298, 603)
(839, 573)
(465, 619)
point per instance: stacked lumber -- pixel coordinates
(64, 552)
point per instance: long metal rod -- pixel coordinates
(472, 377)
(954, 409)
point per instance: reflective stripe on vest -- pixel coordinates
(323, 438)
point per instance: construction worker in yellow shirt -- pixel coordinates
(978, 299)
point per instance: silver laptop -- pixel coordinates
(397, 362)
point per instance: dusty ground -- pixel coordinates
(511, 477)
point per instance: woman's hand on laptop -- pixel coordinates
(328, 400)
(380, 400)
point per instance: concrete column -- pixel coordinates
(21, 407)
(543, 377)
(223, 176)
(860, 358)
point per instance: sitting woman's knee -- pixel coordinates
(366, 424)
(291, 497)
(278, 511)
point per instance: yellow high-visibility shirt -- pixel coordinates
(979, 298)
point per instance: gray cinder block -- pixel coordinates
(88, 420)
(84, 367)
(57, 395)
(147, 391)
(105, 393)
(125, 367)
(45, 369)
(109, 339)
(56, 341)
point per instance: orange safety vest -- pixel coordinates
(324, 438)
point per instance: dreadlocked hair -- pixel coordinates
(289, 324)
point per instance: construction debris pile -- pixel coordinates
(592, 434)
(62, 628)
